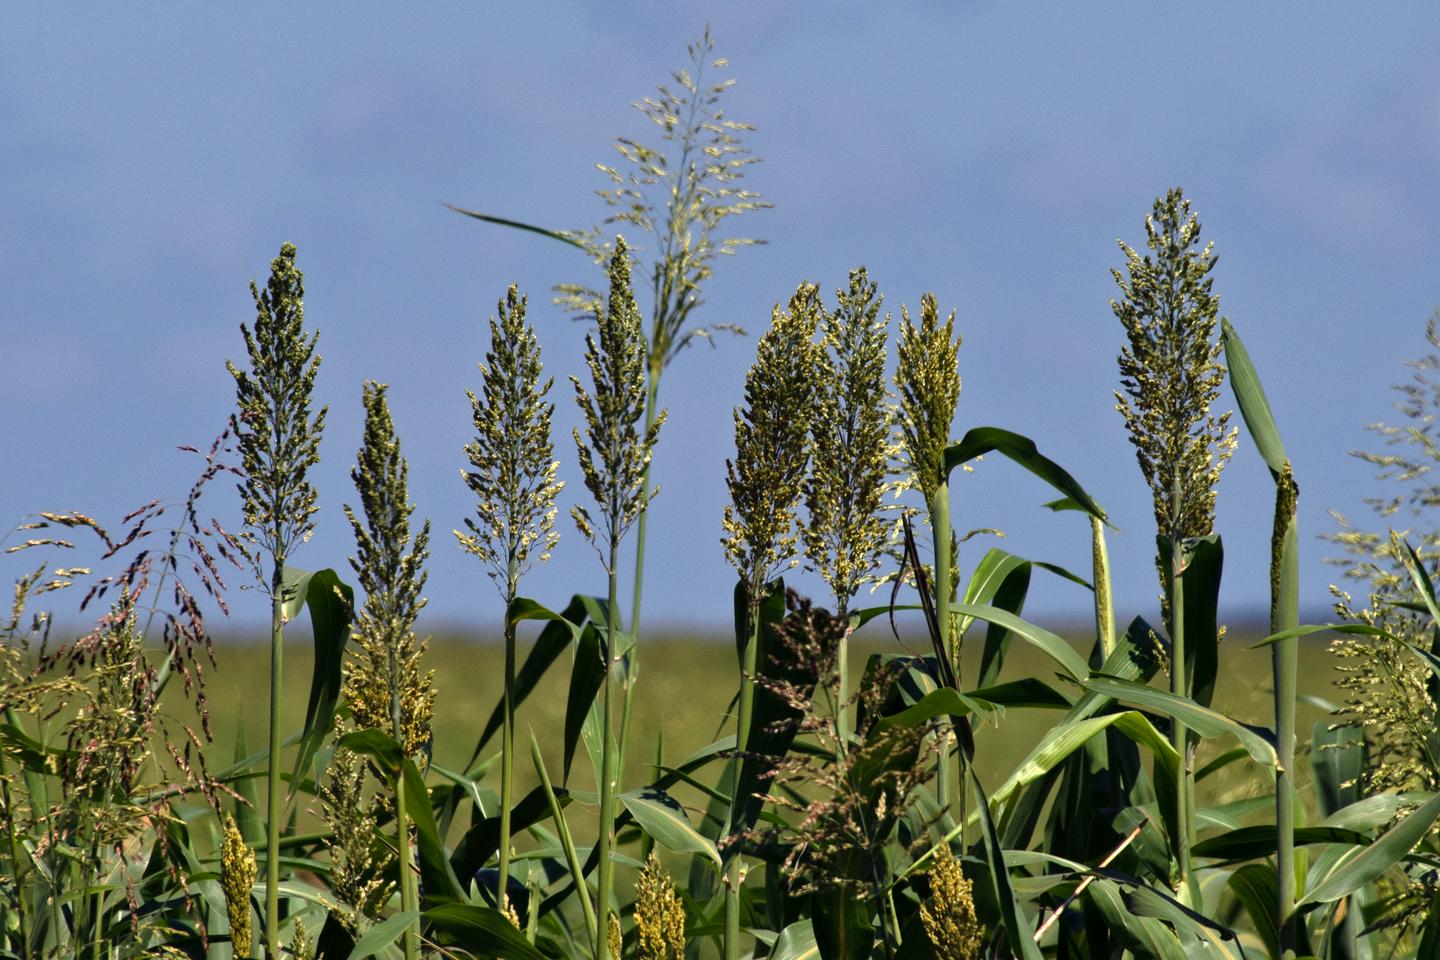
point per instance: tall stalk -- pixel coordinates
(1170, 375)
(613, 456)
(279, 441)
(512, 476)
(928, 381)
(384, 685)
(1284, 613)
(766, 481)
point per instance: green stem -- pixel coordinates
(939, 503)
(652, 394)
(737, 802)
(607, 774)
(409, 899)
(1179, 735)
(507, 757)
(1284, 614)
(273, 778)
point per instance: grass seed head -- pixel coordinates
(928, 381)
(279, 439)
(845, 491)
(384, 684)
(772, 441)
(512, 459)
(615, 450)
(659, 915)
(1170, 371)
(948, 914)
(237, 877)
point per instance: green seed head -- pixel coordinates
(1170, 370)
(512, 463)
(615, 449)
(383, 682)
(851, 434)
(928, 380)
(279, 439)
(772, 441)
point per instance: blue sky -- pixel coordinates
(154, 159)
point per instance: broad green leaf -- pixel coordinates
(1051, 644)
(378, 746)
(664, 819)
(945, 702)
(437, 879)
(560, 235)
(586, 676)
(247, 820)
(1001, 580)
(1250, 398)
(772, 722)
(331, 604)
(1389, 849)
(382, 935)
(482, 932)
(1370, 813)
(796, 942)
(1022, 450)
(1201, 720)
(1304, 630)
(482, 840)
(1146, 937)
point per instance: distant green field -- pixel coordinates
(685, 687)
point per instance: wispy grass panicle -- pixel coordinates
(279, 440)
(681, 194)
(384, 683)
(766, 478)
(512, 458)
(928, 381)
(1170, 370)
(844, 493)
(616, 446)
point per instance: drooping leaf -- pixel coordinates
(483, 932)
(1201, 720)
(664, 819)
(1254, 886)
(1389, 849)
(796, 942)
(1018, 934)
(1049, 643)
(1022, 450)
(841, 923)
(482, 840)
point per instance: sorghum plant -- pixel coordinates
(767, 481)
(846, 535)
(1170, 374)
(614, 456)
(513, 478)
(384, 683)
(279, 442)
